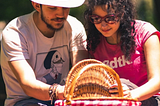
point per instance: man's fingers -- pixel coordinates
(60, 92)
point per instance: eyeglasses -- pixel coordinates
(110, 19)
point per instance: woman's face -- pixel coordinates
(107, 29)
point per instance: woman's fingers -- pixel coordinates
(126, 91)
(113, 90)
(127, 94)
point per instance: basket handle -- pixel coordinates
(107, 69)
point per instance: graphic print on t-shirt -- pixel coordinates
(51, 67)
(117, 62)
(54, 63)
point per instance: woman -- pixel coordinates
(131, 47)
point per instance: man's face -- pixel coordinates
(54, 17)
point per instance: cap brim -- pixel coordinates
(61, 3)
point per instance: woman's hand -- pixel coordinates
(126, 91)
(114, 91)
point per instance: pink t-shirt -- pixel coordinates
(135, 70)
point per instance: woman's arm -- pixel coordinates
(152, 55)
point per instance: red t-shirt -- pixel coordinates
(135, 70)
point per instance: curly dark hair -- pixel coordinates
(125, 9)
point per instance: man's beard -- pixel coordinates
(48, 25)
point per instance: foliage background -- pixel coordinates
(148, 10)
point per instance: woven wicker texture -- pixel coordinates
(74, 70)
(91, 79)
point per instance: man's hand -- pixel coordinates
(60, 92)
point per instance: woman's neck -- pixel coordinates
(113, 40)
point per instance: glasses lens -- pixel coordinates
(95, 19)
(110, 19)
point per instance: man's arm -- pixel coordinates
(27, 80)
(76, 56)
(33, 87)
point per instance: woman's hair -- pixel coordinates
(125, 10)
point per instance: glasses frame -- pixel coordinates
(104, 19)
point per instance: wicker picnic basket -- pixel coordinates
(90, 79)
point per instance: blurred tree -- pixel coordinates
(157, 12)
(13, 8)
(10, 9)
(78, 12)
(147, 11)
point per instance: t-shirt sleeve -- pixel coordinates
(144, 30)
(149, 31)
(78, 40)
(14, 45)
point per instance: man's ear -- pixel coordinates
(36, 6)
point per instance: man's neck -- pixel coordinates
(42, 26)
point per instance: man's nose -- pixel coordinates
(60, 12)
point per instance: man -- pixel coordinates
(37, 50)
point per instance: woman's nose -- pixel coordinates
(103, 23)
